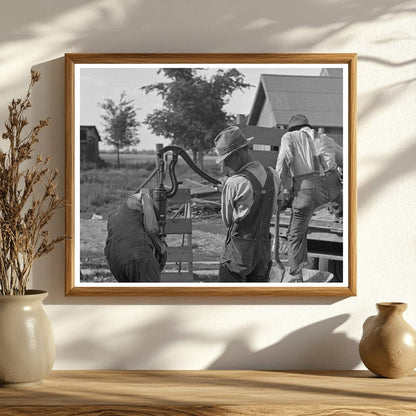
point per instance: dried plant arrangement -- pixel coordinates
(28, 198)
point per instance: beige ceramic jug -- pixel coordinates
(388, 345)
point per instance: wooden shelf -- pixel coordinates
(203, 393)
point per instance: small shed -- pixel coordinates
(278, 97)
(89, 139)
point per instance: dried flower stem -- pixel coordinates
(23, 218)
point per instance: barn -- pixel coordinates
(89, 139)
(278, 97)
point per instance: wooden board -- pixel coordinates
(203, 393)
(266, 143)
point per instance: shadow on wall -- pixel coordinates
(97, 19)
(156, 344)
(48, 100)
(314, 347)
(140, 26)
(142, 347)
(393, 169)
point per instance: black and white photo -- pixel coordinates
(210, 175)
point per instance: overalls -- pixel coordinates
(129, 250)
(247, 250)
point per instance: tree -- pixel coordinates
(120, 124)
(193, 112)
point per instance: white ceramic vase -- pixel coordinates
(27, 346)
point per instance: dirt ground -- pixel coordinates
(207, 238)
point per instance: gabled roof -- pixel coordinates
(94, 129)
(331, 72)
(319, 98)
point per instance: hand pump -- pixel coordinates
(161, 193)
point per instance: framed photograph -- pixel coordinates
(211, 174)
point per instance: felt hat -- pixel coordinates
(229, 141)
(298, 120)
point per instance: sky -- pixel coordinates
(99, 82)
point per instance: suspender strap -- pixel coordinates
(254, 222)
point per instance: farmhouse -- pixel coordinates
(278, 97)
(89, 138)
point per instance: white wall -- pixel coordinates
(200, 333)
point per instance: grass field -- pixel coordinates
(103, 189)
(129, 159)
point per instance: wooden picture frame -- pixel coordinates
(76, 64)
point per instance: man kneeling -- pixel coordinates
(134, 249)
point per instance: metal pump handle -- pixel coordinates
(179, 151)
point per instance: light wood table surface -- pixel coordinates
(254, 393)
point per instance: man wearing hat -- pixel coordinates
(303, 163)
(248, 202)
